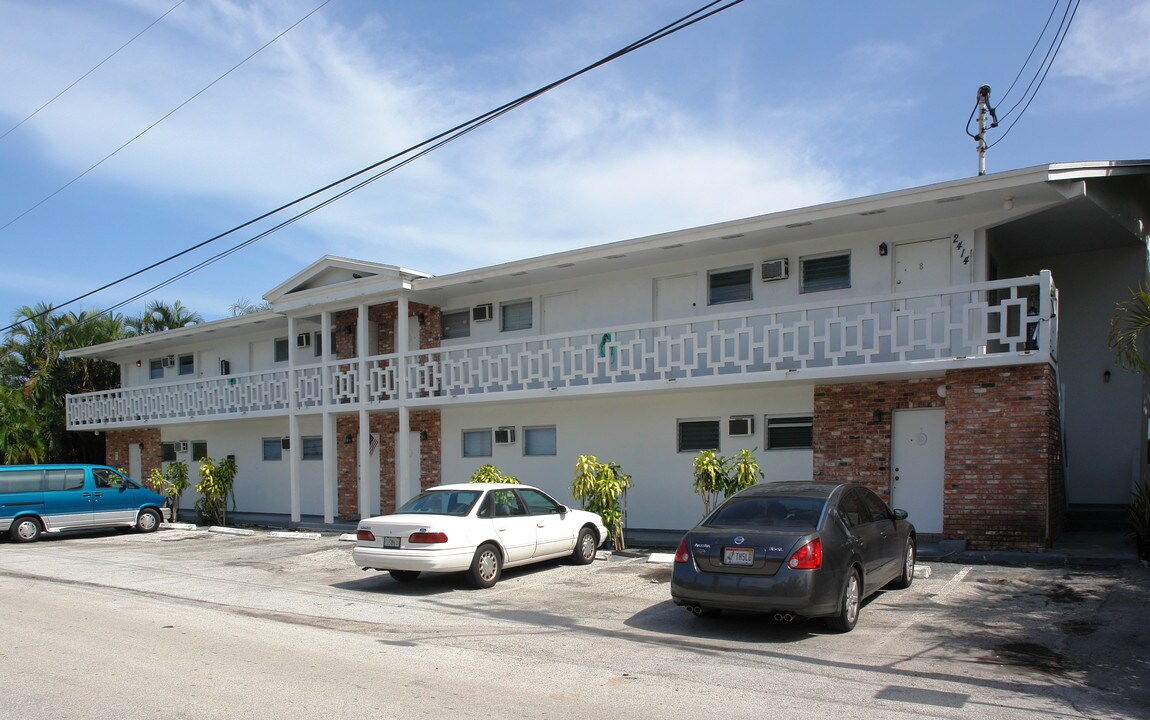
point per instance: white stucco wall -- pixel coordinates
(637, 432)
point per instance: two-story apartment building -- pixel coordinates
(945, 345)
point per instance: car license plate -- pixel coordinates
(390, 541)
(738, 556)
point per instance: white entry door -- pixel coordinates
(922, 265)
(135, 463)
(560, 313)
(917, 466)
(408, 487)
(675, 297)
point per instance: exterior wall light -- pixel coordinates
(882, 249)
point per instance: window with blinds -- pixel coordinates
(827, 272)
(539, 441)
(696, 435)
(456, 324)
(477, 443)
(515, 316)
(788, 433)
(728, 286)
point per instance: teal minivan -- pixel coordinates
(36, 499)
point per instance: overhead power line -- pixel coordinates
(381, 168)
(167, 115)
(94, 68)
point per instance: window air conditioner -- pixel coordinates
(168, 361)
(504, 436)
(181, 446)
(741, 426)
(480, 313)
(776, 269)
(303, 340)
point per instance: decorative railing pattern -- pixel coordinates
(1007, 320)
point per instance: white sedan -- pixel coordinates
(479, 528)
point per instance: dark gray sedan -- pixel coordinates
(796, 550)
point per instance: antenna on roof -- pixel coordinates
(982, 106)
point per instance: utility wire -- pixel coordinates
(1064, 28)
(96, 67)
(423, 148)
(170, 113)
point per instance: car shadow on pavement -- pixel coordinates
(428, 584)
(670, 619)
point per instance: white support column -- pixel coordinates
(293, 424)
(331, 441)
(364, 446)
(403, 442)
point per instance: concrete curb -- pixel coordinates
(295, 535)
(230, 530)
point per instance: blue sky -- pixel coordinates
(767, 106)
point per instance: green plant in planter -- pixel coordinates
(1140, 519)
(171, 483)
(214, 487)
(600, 487)
(491, 474)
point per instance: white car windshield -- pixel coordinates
(441, 502)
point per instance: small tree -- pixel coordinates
(214, 487)
(715, 475)
(171, 483)
(710, 478)
(600, 487)
(491, 474)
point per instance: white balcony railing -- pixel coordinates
(999, 323)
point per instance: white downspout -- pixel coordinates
(330, 441)
(364, 445)
(403, 442)
(293, 424)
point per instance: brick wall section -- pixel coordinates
(116, 449)
(852, 428)
(386, 424)
(1003, 460)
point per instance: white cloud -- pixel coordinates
(1108, 45)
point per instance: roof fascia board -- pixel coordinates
(189, 332)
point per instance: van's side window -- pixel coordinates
(66, 479)
(105, 478)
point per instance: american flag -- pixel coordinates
(372, 444)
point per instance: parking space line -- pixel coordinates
(916, 617)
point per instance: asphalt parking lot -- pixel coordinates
(1005, 641)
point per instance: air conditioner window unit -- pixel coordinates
(168, 361)
(504, 436)
(303, 340)
(741, 426)
(776, 269)
(181, 446)
(480, 313)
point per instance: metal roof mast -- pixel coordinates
(982, 104)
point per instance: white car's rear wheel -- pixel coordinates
(485, 566)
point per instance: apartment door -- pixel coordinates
(675, 296)
(560, 313)
(917, 466)
(921, 265)
(135, 462)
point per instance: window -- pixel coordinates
(69, 479)
(456, 324)
(167, 452)
(788, 433)
(311, 448)
(21, 481)
(187, 364)
(317, 344)
(515, 315)
(539, 441)
(828, 272)
(199, 450)
(273, 449)
(728, 286)
(477, 443)
(156, 369)
(540, 504)
(280, 353)
(696, 435)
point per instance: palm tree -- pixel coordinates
(243, 306)
(1127, 329)
(159, 316)
(35, 378)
